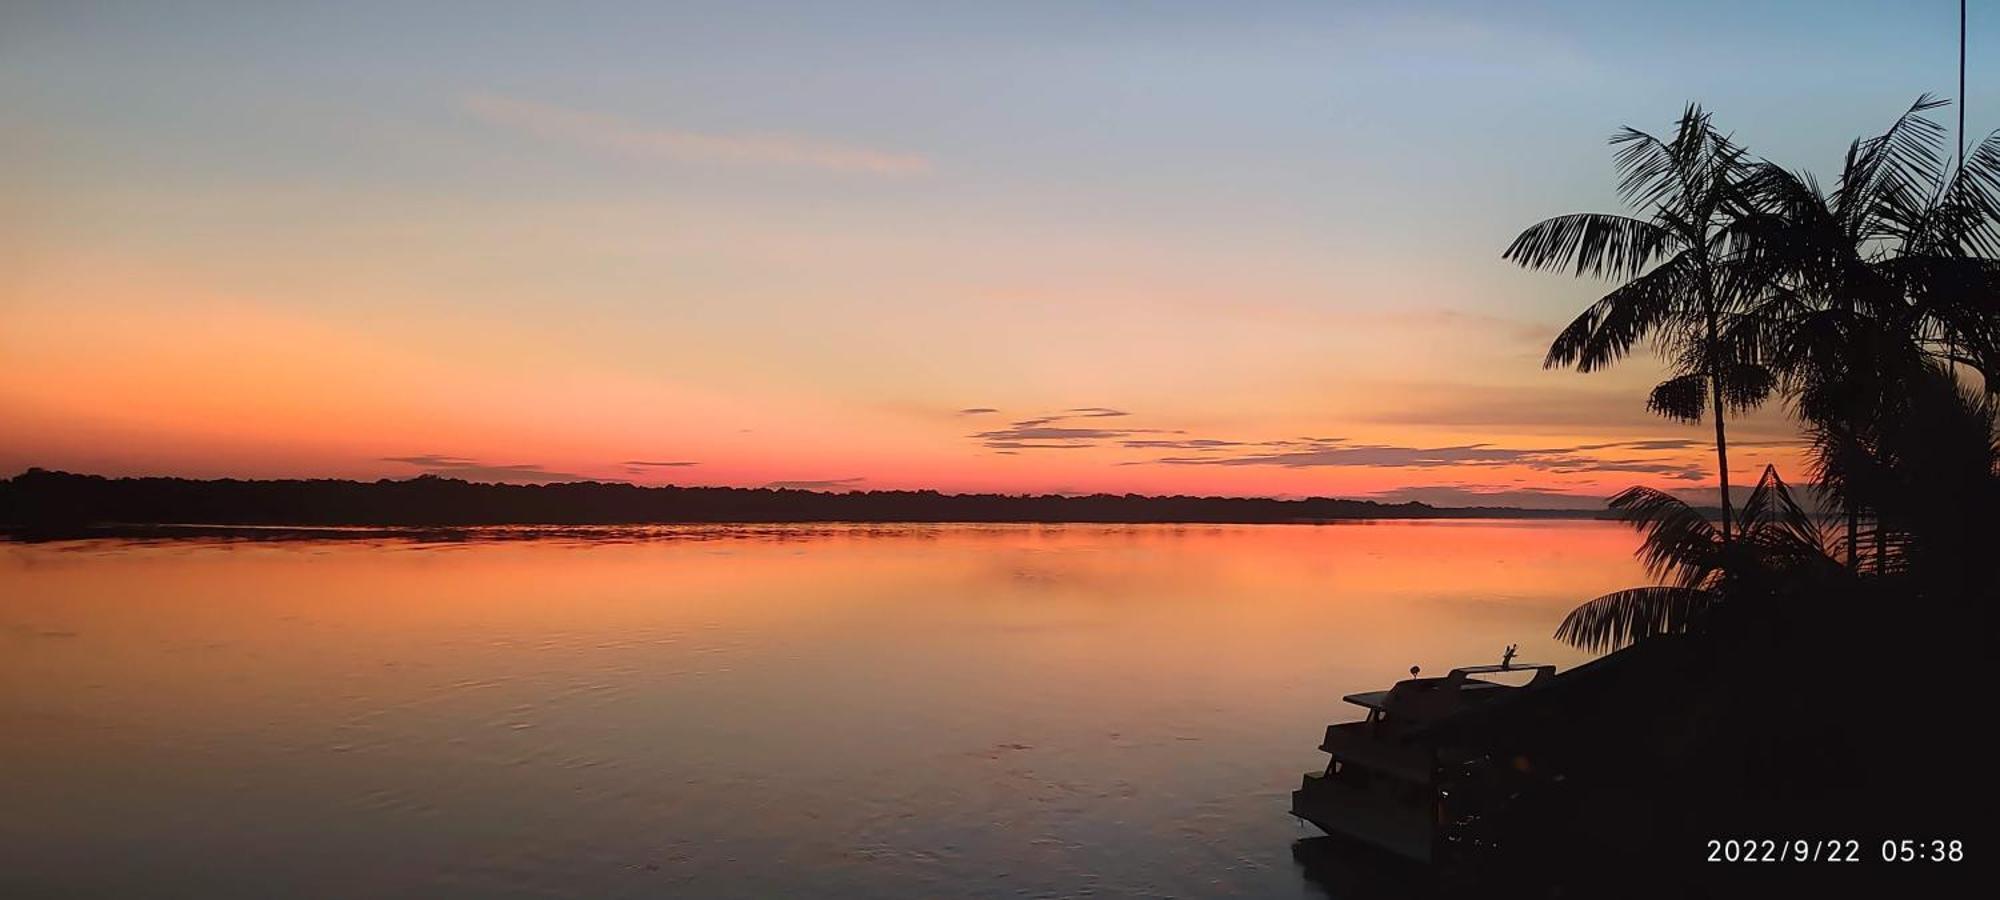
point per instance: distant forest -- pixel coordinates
(44, 501)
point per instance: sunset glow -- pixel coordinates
(746, 256)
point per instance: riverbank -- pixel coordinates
(62, 502)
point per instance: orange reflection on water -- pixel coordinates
(378, 714)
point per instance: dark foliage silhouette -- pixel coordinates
(1777, 553)
(53, 502)
(1864, 293)
(1862, 307)
(1792, 674)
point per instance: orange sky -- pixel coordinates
(119, 368)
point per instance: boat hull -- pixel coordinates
(1390, 823)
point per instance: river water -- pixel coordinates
(855, 711)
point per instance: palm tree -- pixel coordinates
(1863, 302)
(1777, 553)
(1675, 262)
(1780, 572)
(1856, 294)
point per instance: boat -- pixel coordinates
(1388, 780)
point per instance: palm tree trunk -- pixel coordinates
(1721, 454)
(1715, 394)
(1853, 536)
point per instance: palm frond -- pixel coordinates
(1774, 518)
(1978, 184)
(1648, 168)
(1678, 544)
(1622, 618)
(1900, 165)
(1745, 386)
(1960, 220)
(1606, 330)
(1682, 398)
(1603, 245)
(1783, 191)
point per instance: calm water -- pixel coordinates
(909, 711)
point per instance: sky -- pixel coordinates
(1188, 248)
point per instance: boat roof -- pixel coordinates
(1503, 667)
(1661, 664)
(1369, 699)
(1379, 700)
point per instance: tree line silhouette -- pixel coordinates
(59, 501)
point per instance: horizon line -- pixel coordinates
(831, 490)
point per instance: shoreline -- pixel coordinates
(43, 502)
(612, 531)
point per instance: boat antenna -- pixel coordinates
(1961, 83)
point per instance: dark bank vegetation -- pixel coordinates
(60, 503)
(1790, 675)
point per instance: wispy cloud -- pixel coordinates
(1047, 432)
(820, 485)
(977, 411)
(1203, 444)
(1315, 453)
(648, 466)
(474, 470)
(1072, 429)
(618, 135)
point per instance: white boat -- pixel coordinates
(1384, 784)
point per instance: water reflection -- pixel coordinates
(719, 711)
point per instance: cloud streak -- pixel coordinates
(474, 470)
(1047, 432)
(650, 466)
(1316, 453)
(613, 134)
(820, 485)
(1073, 429)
